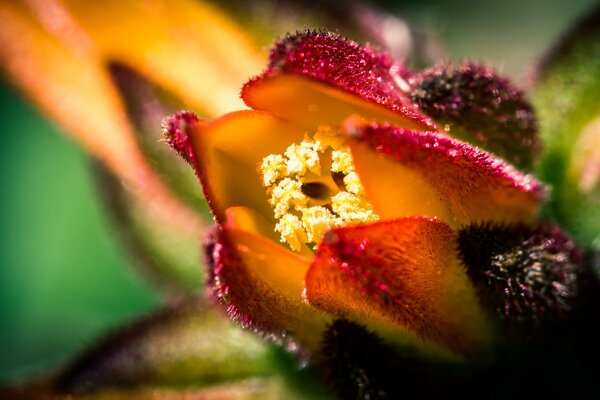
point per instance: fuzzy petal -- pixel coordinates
(474, 185)
(401, 278)
(260, 283)
(318, 78)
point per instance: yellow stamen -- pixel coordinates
(287, 194)
(352, 209)
(303, 217)
(341, 161)
(353, 185)
(291, 230)
(317, 220)
(273, 167)
(303, 156)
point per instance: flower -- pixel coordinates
(355, 223)
(109, 85)
(337, 198)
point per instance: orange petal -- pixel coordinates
(403, 279)
(320, 77)
(190, 48)
(261, 283)
(229, 151)
(67, 80)
(312, 103)
(434, 175)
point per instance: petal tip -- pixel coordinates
(346, 65)
(176, 130)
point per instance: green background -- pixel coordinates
(64, 279)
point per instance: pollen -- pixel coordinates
(273, 167)
(352, 209)
(316, 221)
(341, 161)
(287, 194)
(292, 231)
(302, 157)
(352, 183)
(307, 192)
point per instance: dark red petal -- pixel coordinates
(176, 133)
(481, 107)
(344, 64)
(246, 278)
(475, 185)
(401, 278)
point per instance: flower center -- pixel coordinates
(314, 187)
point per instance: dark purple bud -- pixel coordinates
(480, 107)
(530, 277)
(359, 365)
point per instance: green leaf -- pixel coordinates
(567, 98)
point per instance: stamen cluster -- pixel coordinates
(313, 187)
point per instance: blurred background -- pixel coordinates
(65, 279)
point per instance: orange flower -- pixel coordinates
(336, 197)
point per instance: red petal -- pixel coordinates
(476, 186)
(400, 277)
(340, 63)
(260, 283)
(176, 130)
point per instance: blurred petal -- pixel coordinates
(260, 283)
(146, 105)
(474, 185)
(480, 107)
(403, 279)
(59, 80)
(58, 65)
(567, 97)
(315, 78)
(175, 42)
(165, 251)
